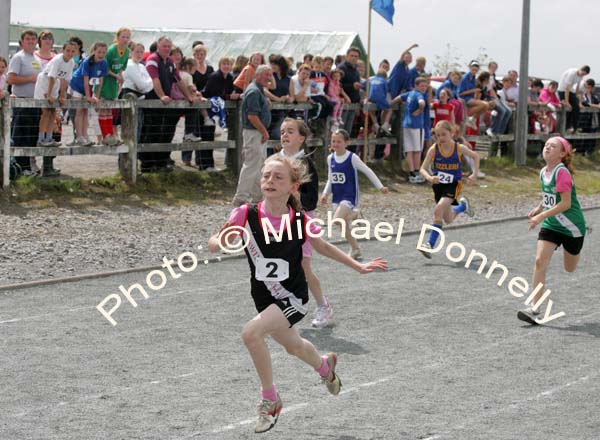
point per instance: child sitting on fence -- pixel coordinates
(338, 97)
(380, 96)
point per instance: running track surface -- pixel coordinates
(428, 350)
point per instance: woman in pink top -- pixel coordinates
(336, 94)
(549, 97)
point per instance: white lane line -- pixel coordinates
(199, 289)
(231, 427)
(393, 376)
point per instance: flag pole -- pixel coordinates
(367, 67)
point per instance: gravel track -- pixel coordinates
(38, 244)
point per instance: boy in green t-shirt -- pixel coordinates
(116, 57)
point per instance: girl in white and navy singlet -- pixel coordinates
(560, 215)
(446, 156)
(278, 284)
(342, 182)
(294, 133)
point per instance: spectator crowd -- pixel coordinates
(163, 72)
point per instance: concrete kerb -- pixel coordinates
(60, 280)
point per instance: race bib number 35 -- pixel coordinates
(272, 269)
(445, 177)
(548, 200)
(338, 178)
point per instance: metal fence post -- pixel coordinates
(5, 136)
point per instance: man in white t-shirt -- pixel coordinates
(568, 87)
(23, 70)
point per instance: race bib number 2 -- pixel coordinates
(272, 269)
(548, 200)
(445, 177)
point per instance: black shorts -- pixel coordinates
(451, 190)
(289, 306)
(572, 245)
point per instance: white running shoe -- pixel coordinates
(426, 254)
(529, 315)
(489, 132)
(332, 381)
(323, 315)
(268, 413)
(469, 211)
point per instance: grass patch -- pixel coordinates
(180, 187)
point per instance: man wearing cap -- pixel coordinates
(467, 88)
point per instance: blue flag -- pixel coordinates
(385, 8)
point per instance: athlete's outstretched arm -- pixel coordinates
(330, 251)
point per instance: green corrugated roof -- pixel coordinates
(219, 42)
(234, 43)
(61, 35)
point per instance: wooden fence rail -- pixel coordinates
(128, 152)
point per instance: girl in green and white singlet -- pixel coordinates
(560, 216)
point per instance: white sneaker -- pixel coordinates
(489, 132)
(426, 254)
(268, 413)
(323, 315)
(412, 179)
(191, 137)
(469, 209)
(481, 175)
(211, 170)
(529, 316)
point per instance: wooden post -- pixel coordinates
(5, 137)
(239, 139)
(397, 150)
(562, 120)
(129, 127)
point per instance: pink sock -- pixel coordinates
(270, 393)
(323, 370)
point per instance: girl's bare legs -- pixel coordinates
(347, 215)
(271, 321)
(443, 210)
(570, 261)
(545, 250)
(314, 285)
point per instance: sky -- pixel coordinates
(560, 37)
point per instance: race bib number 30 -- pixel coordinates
(548, 200)
(445, 177)
(272, 269)
(338, 178)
